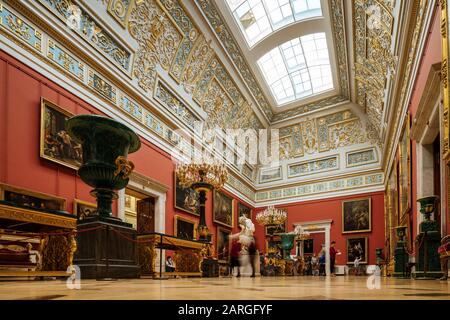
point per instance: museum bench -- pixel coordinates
(188, 256)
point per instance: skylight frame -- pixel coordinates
(265, 23)
(314, 64)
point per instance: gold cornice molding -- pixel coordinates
(148, 182)
(74, 49)
(326, 179)
(431, 94)
(407, 61)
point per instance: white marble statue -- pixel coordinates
(247, 230)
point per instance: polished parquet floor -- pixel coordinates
(309, 288)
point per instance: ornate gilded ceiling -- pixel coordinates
(159, 63)
(374, 60)
(230, 43)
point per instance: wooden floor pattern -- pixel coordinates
(272, 288)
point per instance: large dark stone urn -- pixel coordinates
(105, 249)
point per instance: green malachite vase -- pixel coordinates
(106, 144)
(287, 243)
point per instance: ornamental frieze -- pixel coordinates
(81, 22)
(322, 134)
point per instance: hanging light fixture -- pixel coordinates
(271, 216)
(202, 178)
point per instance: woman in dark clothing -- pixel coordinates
(252, 250)
(234, 256)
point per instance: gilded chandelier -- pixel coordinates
(271, 216)
(210, 174)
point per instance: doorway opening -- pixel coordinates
(317, 229)
(140, 211)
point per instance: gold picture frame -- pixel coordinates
(243, 209)
(83, 209)
(404, 175)
(56, 145)
(356, 241)
(357, 215)
(179, 198)
(445, 69)
(223, 209)
(31, 198)
(177, 228)
(274, 230)
(223, 244)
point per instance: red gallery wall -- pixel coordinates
(432, 55)
(20, 92)
(317, 210)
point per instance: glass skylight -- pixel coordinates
(259, 18)
(298, 68)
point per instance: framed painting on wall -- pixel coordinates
(275, 229)
(55, 143)
(185, 199)
(30, 198)
(404, 175)
(83, 209)
(184, 228)
(243, 210)
(445, 71)
(356, 216)
(270, 174)
(223, 244)
(223, 209)
(308, 246)
(357, 247)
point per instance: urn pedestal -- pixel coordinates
(106, 245)
(427, 242)
(401, 257)
(104, 252)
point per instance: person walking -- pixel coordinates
(252, 251)
(234, 256)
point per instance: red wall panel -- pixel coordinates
(332, 209)
(432, 55)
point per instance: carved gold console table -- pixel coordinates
(188, 256)
(40, 241)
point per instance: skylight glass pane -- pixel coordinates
(259, 18)
(298, 68)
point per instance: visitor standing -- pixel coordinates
(322, 260)
(170, 265)
(234, 256)
(252, 250)
(315, 265)
(333, 253)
